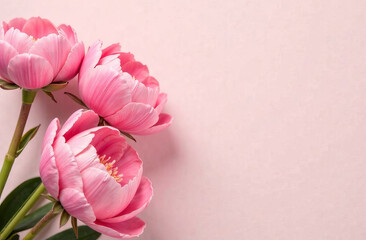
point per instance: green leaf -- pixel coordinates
(102, 122)
(32, 219)
(57, 208)
(13, 237)
(85, 233)
(65, 216)
(55, 86)
(74, 224)
(50, 95)
(49, 197)
(25, 139)
(129, 136)
(8, 86)
(76, 99)
(16, 199)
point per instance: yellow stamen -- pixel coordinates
(111, 169)
(33, 38)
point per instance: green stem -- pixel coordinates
(27, 100)
(21, 213)
(42, 223)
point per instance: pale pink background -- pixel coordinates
(269, 100)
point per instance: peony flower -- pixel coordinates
(34, 52)
(95, 175)
(121, 91)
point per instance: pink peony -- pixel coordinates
(120, 90)
(95, 175)
(34, 52)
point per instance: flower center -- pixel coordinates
(111, 169)
(33, 38)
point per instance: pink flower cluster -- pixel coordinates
(89, 169)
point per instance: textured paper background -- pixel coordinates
(269, 137)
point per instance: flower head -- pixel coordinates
(120, 89)
(34, 52)
(95, 175)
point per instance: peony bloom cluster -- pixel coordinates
(95, 175)
(34, 52)
(86, 164)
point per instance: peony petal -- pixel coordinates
(80, 142)
(30, 71)
(49, 172)
(54, 48)
(127, 229)
(136, 70)
(51, 132)
(152, 95)
(165, 120)
(72, 64)
(143, 94)
(109, 142)
(87, 158)
(91, 58)
(150, 82)
(111, 61)
(134, 117)
(102, 192)
(2, 32)
(125, 58)
(47, 168)
(130, 183)
(68, 32)
(111, 50)
(39, 27)
(104, 90)
(17, 23)
(7, 53)
(130, 165)
(5, 26)
(138, 204)
(20, 41)
(161, 101)
(139, 92)
(70, 176)
(76, 205)
(79, 121)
